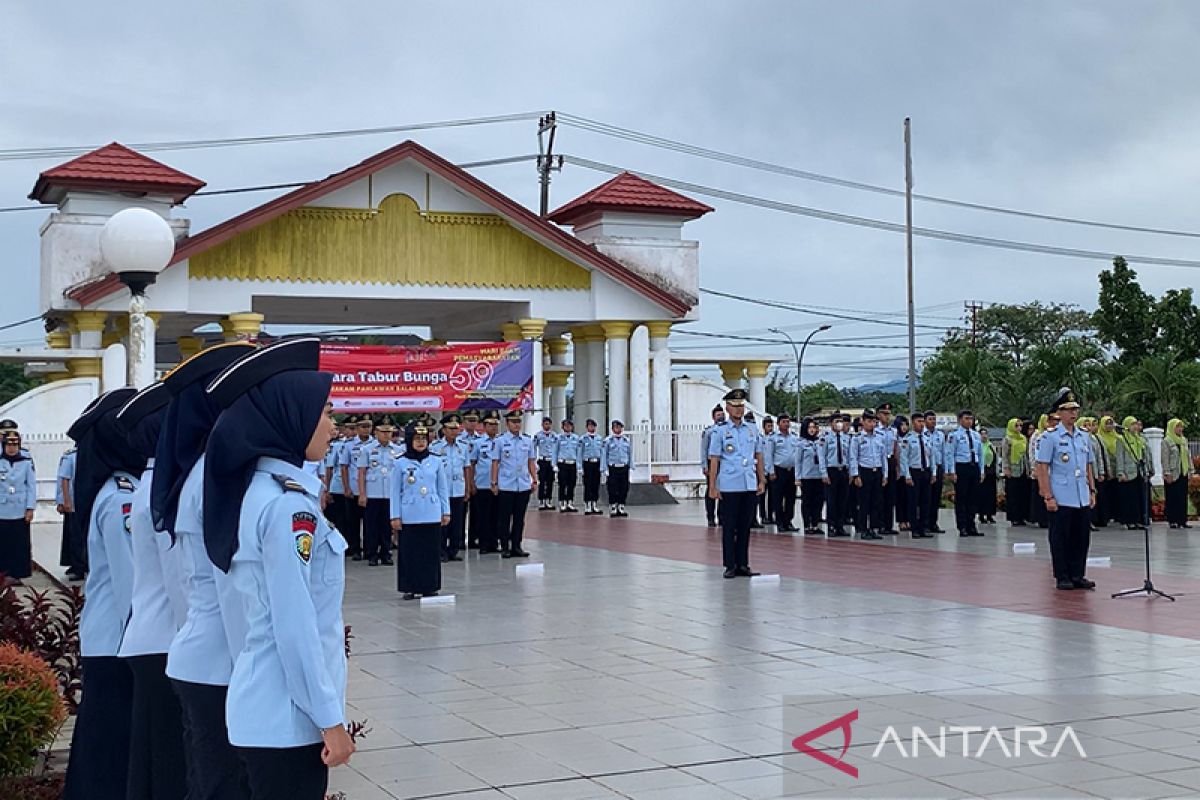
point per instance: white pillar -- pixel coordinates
(89, 328)
(532, 330)
(660, 390)
(639, 378)
(756, 372)
(113, 367)
(579, 379)
(597, 408)
(556, 380)
(617, 335)
(1154, 438)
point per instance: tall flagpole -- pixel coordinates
(908, 240)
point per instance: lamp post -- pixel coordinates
(799, 356)
(138, 244)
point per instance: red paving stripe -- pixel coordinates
(1011, 584)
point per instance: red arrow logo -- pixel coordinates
(843, 722)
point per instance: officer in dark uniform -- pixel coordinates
(567, 458)
(1067, 482)
(736, 477)
(545, 442)
(514, 476)
(483, 500)
(964, 465)
(591, 453)
(891, 491)
(834, 452)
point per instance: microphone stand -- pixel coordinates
(1147, 587)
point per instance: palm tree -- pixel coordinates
(1159, 387)
(965, 377)
(1074, 362)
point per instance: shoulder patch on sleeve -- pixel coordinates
(288, 485)
(123, 483)
(304, 525)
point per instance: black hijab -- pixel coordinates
(412, 431)
(140, 420)
(273, 419)
(101, 451)
(804, 434)
(189, 418)
(10, 436)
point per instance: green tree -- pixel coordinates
(781, 395)
(1159, 387)
(959, 376)
(14, 382)
(1178, 322)
(1075, 362)
(1014, 330)
(1124, 317)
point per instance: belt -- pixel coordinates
(592, 460)
(785, 469)
(546, 459)
(837, 468)
(570, 461)
(618, 466)
(870, 469)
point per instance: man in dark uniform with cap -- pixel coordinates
(545, 443)
(891, 490)
(483, 500)
(457, 456)
(964, 465)
(1066, 481)
(591, 453)
(514, 477)
(567, 458)
(736, 476)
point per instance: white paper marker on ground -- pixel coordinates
(1099, 561)
(1024, 548)
(438, 600)
(529, 570)
(764, 579)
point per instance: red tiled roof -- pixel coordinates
(516, 214)
(629, 192)
(114, 167)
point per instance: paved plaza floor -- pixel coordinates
(628, 668)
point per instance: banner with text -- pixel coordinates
(447, 377)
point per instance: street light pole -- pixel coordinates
(799, 356)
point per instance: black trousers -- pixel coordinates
(98, 768)
(377, 528)
(510, 515)
(545, 469)
(567, 478)
(452, 534)
(935, 502)
(591, 481)
(286, 773)
(761, 505)
(891, 495)
(870, 500)
(985, 494)
(70, 555)
(918, 496)
(215, 771)
(784, 496)
(1070, 537)
(838, 495)
(483, 519)
(335, 512)
(767, 502)
(1016, 499)
(157, 767)
(1102, 514)
(737, 513)
(352, 518)
(812, 498)
(1133, 501)
(1177, 500)
(965, 486)
(618, 485)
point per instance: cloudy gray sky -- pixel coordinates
(1085, 109)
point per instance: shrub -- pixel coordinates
(47, 625)
(31, 709)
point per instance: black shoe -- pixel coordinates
(756, 527)
(916, 535)
(487, 551)
(74, 576)
(964, 534)
(454, 558)
(745, 572)
(729, 573)
(712, 523)
(936, 529)
(374, 562)
(1065, 585)
(1016, 524)
(814, 532)
(505, 554)
(1185, 525)
(1084, 583)
(409, 596)
(869, 535)
(889, 533)
(976, 533)
(356, 557)
(518, 553)
(444, 558)
(387, 562)
(839, 534)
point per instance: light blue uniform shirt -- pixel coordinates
(962, 447)
(936, 440)
(66, 470)
(869, 451)
(514, 452)
(482, 452)
(420, 490)
(456, 456)
(1068, 456)
(159, 606)
(807, 460)
(736, 446)
(591, 447)
(289, 680)
(828, 450)
(379, 460)
(109, 586)
(912, 447)
(18, 488)
(567, 449)
(780, 451)
(333, 467)
(617, 451)
(544, 444)
(348, 458)
(212, 634)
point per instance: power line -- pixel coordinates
(763, 340)
(19, 154)
(877, 224)
(605, 129)
(802, 310)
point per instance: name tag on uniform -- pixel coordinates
(424, 490)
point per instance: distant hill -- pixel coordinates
(897, 386)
